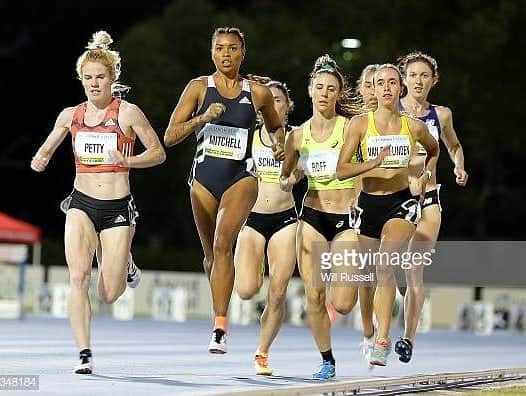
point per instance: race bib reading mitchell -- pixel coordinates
(399, 154)
(92, 147)
(225, 142)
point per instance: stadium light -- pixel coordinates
(351, 43)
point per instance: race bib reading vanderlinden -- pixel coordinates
(225, 142)
(92, 148)
(399, 153)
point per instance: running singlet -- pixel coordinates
(401, 144)
(223, 154)
(228, 137)
(319, 160)
(92, 144)
(433, 125)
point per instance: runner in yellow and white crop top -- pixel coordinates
(318, 159)
(387, 213)
(324, 218)
(401, 145)
(269, 232)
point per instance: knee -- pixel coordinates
(79, 279)
(316, 301)
(248, 290)
(222, 246)
(277, 298)
(110, 296)
(343, 307)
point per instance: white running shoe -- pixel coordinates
(367, 346)
(86, 363)
(134, 273)
(218, 343)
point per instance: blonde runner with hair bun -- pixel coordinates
(100, 212)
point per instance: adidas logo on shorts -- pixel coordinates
(245, 100)
(119, 219)
(110, 122)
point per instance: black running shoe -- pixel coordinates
(404, 348)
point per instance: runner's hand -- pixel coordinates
(214, 111)
(39, 163)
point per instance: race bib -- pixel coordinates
(225, 142)
(92, 148)
(320, 165)
(266, 166)
(399, 153)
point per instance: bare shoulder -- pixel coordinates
(65, 117)
(68, 112)
(128, 109)
(297, 133)
(201, 81)
(444, 113)
(359, 121)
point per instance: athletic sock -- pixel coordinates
(327, 357)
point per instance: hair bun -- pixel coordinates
(325, 62)
(100, 40)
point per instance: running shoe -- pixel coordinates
(367, 346)
(381, 350)
(134, 273)
(218, 342)
(261, 365)
(404, 348)
(86, 363)
(327, 371)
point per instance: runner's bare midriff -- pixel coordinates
(103, 185)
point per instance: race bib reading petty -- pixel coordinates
(399, 154)
(225, 142)
(320, 165)
(92, 148)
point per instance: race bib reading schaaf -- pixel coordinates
(92, 147)
(399, 153)
(320, 165)
(266, 166)
(225, 142)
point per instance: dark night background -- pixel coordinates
(166, 43)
